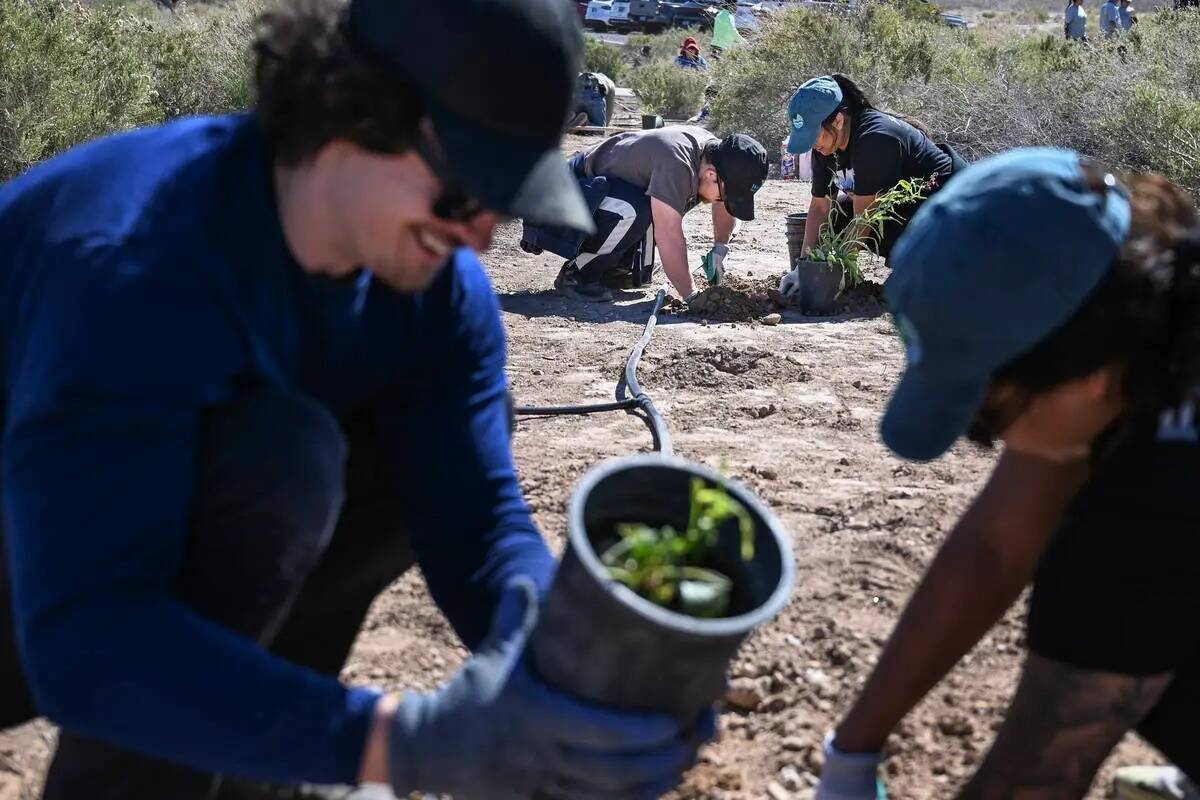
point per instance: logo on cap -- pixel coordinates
(754, 187)
(911, 339)
(798, 121)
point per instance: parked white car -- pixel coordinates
(607, 13)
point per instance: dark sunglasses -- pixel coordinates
(454, 204)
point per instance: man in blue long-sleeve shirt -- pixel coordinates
(223, 437)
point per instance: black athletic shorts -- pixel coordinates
(1118, 589)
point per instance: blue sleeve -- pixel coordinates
(110, 371)
(448, 426)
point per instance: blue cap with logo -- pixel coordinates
(811, 105)
(1002, 256)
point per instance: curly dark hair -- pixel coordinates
(314, 86)
(1145, 313)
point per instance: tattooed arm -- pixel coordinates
(1062, 724)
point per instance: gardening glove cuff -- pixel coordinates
(850, 776)
(714, 264)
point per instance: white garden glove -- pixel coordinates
(850, 776)
(790, 283)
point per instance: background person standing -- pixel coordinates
(1075, 21)
(1110, 22)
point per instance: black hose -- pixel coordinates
(638, 401)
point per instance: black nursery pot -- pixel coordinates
(600, 641)
(795, 236)
(821, 284)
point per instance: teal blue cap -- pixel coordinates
(993, 263)
(811, 105)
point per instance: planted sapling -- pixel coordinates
(669, 567)
(841, 248)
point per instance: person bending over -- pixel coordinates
(1050, 304)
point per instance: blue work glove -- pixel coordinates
(850, 776)
(714, 264)
(494, 731)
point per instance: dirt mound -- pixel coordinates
(747, 300)
(724, 366)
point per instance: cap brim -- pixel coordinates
(514, 177)
(740, 205)
(802, 140)
(927, 414)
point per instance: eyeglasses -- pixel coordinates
(454, 204)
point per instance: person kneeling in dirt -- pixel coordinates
(1054, 306)
(595, 100)
(640, 185)
(224, 437)
(864, 151)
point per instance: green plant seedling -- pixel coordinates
(666, 566)
(841, 248)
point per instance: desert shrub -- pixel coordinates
(607, 58)
(66, 75)
(668, 90)
(71, 72)
(986, 90)
(643, 48)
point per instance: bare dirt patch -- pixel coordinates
(753, 299)
(723, 366)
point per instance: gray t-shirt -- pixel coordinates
(666, 161)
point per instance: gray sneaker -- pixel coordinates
(1154, 783)
(569, 285)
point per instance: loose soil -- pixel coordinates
(750, 299)
(790, 410)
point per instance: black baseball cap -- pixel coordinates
(496, 78)
(741, 165)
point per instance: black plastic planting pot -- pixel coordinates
(599, 640)
(795, 236)
(821, 284)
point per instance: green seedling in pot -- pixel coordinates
(666, 566)
(841, 248)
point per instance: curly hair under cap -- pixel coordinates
(1145, 313)
(314, 86)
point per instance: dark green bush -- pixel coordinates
(71, 72)
(606, 58)
(668, 90)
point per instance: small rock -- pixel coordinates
(794, 744)
(814, 760)
(772, 319)
(956, 725)
(777, 792)
(790, 777)
(817, 677)
(838, 655)
(845, 462)
(775, 704)
(768, 473)
(536, 372)
(743, 696)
